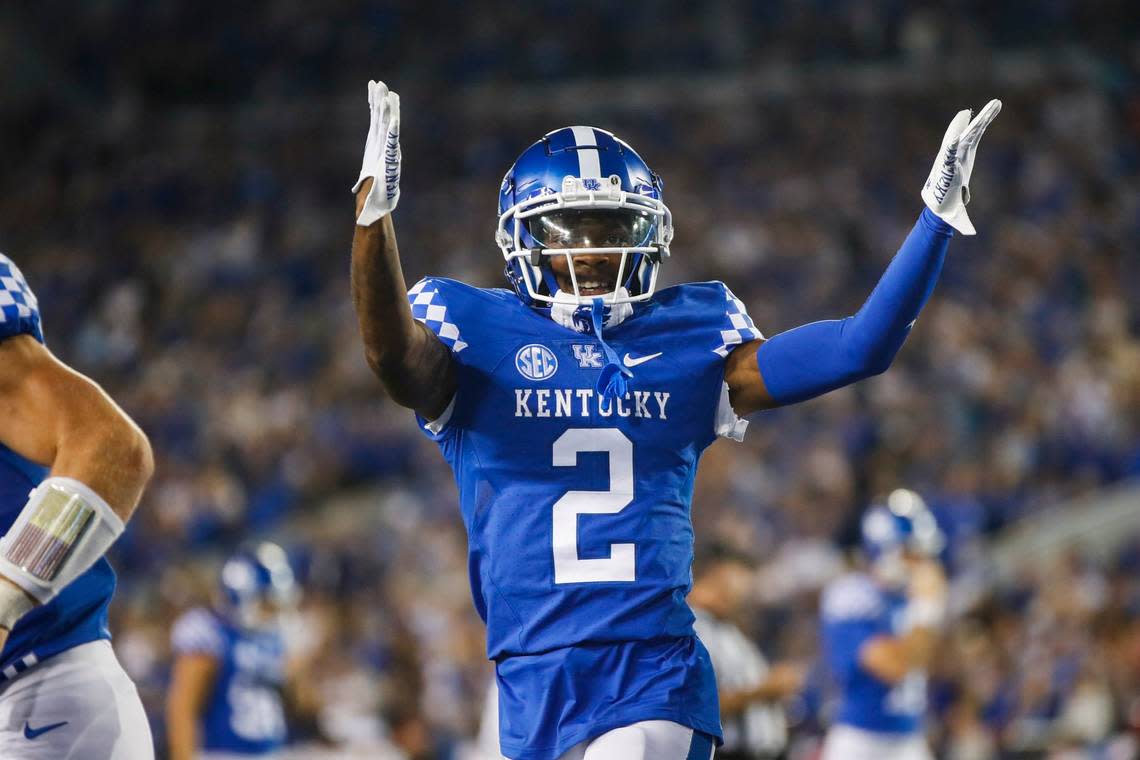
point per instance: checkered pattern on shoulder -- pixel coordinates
(198, 631)
(739, 328)
(19, 310)
(428, 307)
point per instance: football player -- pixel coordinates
(880, 629)
(226, 692)
(72, 469)
(573, 409)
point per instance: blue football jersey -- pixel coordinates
(245, 712)
(855, 610)
(577, 506)
(79, 613)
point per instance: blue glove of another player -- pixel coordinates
(381, 155)
(947, 189)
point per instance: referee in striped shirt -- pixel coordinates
(750, 689)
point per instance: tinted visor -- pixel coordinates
(592, 228)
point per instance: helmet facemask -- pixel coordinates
(588, 217)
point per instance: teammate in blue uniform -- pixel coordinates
(573, 409)
(72, 469)
(225, 697)
(880, 629)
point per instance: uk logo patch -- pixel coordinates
(536, 362)
(587, 355)
(590, 183)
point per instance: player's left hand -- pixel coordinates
(947, 189)
(381, 155)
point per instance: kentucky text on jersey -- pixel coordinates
(577, 504)
(584, 402)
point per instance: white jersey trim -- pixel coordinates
(728, 425)
(436, 426)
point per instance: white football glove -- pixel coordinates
(947, 189)
(381, 155)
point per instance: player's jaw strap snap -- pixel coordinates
(568, 312)
(601, 313)
(63, 529)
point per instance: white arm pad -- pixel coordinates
(62, 530)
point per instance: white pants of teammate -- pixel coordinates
(647, 740)
(849, 743)
(90, 700)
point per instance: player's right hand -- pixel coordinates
(927, 582)
(381, 155)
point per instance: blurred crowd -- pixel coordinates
(177, 195)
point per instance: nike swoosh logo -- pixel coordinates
(33, 733)
(629, 361)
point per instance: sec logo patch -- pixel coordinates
(536, 362)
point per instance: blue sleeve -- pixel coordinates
(19, 311)
(842, 640)
(852, 612)
(813, 359)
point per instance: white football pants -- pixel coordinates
(850, 743)
(648, 740)
(78, 705)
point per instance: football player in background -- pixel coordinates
(226, 692)
(573, 409)
(72, 469)
(880, 630)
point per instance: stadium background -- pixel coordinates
(175, 187)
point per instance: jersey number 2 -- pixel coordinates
(621, 564)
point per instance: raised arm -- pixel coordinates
(57, 417)
(414, 366)
(892, 658)
(191, 681)
(813, 359)
(100, 462)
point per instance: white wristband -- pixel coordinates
(14, 604)
(62, 530)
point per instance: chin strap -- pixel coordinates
(611, 381)
(594, 318)
(568, 312)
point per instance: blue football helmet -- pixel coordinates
(569, 174)
(258, 574)
(903, 523)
